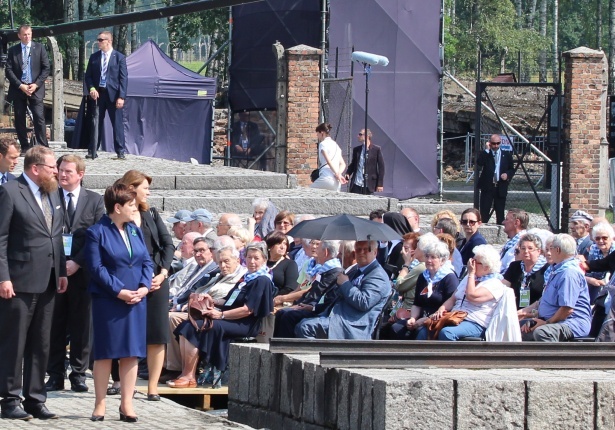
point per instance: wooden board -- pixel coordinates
(206, 392)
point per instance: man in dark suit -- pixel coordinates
(106, 79)
(72, 312)
(9, 155)
(32, 269)
(374, 169)
(26, 69)
(497, 169)
(246, 140)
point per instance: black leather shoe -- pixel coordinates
(91, 157)
(41, 412)
(121, 156)
(79, 387)
(127, 418)
(15, 413)
(54, 385)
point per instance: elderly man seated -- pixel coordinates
(200, 221)
(563, 312)
(319, 293)
(196, 274)
(360, 299)
(218, 287)
(185, 263)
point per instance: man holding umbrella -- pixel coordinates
(360, 299)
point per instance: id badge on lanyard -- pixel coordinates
(67, 241)
(524, 295)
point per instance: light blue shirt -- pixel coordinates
(36, 190)
(567, 288)
(359, 175)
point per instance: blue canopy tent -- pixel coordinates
(168, 110)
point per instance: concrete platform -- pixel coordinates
(286, 391)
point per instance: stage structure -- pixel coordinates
(404, 97)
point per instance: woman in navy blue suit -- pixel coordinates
(120, 277)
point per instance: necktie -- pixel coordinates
(3, 180)
(47, 212)
(25, 65)
(495, 164)
(70, 208)
(103, 72)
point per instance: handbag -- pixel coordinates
(447, 320)
(197, 309)
(315, 174)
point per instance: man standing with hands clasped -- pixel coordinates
(32, 269)
(106, 79)
(27, 69)
(497, 170)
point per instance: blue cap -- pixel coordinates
(179, 216)
(202, 215)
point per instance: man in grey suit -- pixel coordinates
(32, 270)
(27, 68)
(359, 301)
(106, 80)
(81, 209)
(9, 156)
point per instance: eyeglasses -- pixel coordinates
(200, 250)
(602, 238)
(468, 221)
(51, 166)
(101, 40)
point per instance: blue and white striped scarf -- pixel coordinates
(537, 266)
(548, 273)
(570, 263)
(322, 268)
(444, 270)
(512, 242)
(487, 277)
(414, 263)
(263, 271)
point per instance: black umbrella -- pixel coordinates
(343, 227)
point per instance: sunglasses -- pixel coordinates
(360, 134)
(101, 40)
(468, 221)
(495, 143)
(602, 238)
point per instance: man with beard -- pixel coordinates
(32, 269)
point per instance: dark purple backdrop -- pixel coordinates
(403, 97)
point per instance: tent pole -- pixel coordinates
(323, 45)
(229, 112)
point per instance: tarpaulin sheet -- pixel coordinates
(403, 97)
(256, 27)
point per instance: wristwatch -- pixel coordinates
(222, 316)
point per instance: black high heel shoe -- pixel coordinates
(127, 418)
(97, 418)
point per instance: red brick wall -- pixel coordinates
(303, 111)
(584, 84)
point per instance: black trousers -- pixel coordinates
(72, 317)
(492, 197)
(287, 319)
(359, 190)
(20, 103)
(106, 105)
(24, 346)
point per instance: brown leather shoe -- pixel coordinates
(182, 383)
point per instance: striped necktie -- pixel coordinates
(3, 180)
(25, 65)
(103, 72)
(47, 211)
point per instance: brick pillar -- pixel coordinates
(302, 107)
(585, 179)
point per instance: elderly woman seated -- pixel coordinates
(237, 315)
(602, 235)
(477, 294)
(263, 216)
(241, 237)
(526, 276)
(433, 287)
(320, 293)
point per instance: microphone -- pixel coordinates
(371, 59)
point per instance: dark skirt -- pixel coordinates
(214, 344)
(119, 328)
(158, 315)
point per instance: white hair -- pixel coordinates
(543, 234)
(427, 239)
(489, 256)
(333, 246)
(566, 244)
(603, 228)
(260, 203)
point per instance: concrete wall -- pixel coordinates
(290, 392)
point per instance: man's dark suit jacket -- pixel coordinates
(28, 250)
(90, 208)
(39, 64)
(486, 162)
(117, 74)
(10, 177)
(374, 166)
